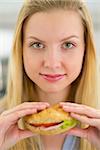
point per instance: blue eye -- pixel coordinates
(37, 45)
(68, 45)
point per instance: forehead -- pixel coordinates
(56, 22)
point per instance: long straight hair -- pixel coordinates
(20, 88)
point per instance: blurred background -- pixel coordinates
(9, 10)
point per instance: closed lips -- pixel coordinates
(53, 76)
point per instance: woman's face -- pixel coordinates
(53, 49)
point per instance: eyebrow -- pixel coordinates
(64, 39)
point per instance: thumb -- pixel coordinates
(25, 134)
(78, 132)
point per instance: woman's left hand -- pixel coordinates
(88, 116)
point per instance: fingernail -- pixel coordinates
(65, 107)
(61, 103)
(47, 104)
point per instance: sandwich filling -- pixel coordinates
(62, 125)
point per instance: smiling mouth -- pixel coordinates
(53, 77)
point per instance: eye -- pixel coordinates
(68, 45)
(37, 45)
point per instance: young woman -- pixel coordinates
(53, 61)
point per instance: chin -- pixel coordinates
(54, 88)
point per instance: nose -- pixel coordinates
(52, 59)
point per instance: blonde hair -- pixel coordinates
(20, 88)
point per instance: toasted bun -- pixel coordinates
(54, 114)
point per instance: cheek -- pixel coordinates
(74, 65)
(31, 64)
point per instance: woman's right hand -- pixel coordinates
(10, 134)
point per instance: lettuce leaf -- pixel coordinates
(69, 123)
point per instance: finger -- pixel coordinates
(69, 104)
(84, 119)
(14, 117)
(27, 105)
(81, 109)
(25, 134)
(78, 132)
(7, 121)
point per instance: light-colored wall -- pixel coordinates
(9, 10)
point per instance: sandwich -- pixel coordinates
(50, 121)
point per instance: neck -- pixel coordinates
(52, 98)
(57, 143)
